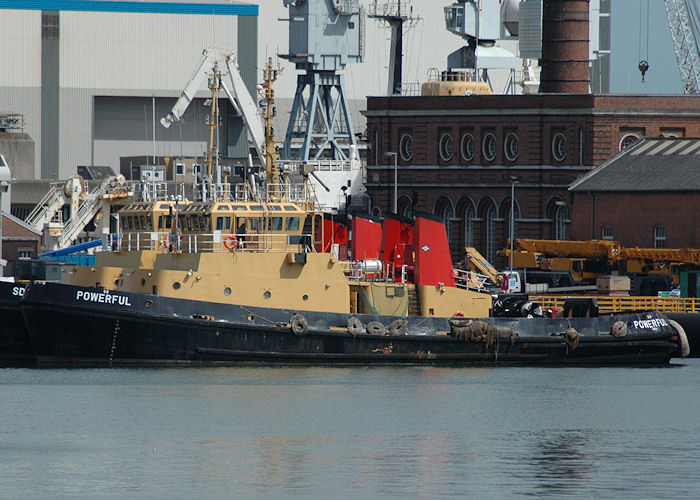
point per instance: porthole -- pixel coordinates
(510, 147)
(467, 147)
(627, 140)
(305, 297)
(267, 294)
(559, 147)
(489, 147)
(116, 283)
(406, 147)
(446, 146)
(227, 291)
(148, 303)
(176, 285)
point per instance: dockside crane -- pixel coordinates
(683, 22)
(220, 67)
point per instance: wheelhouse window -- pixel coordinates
(291, 224)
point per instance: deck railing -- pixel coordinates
(216, 242)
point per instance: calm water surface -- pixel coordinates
(410, 432)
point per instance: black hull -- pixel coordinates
(135, 329)
(15, 345)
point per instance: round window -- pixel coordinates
(467, 147)
(510, 147)
(489, 147)
(446, 146)
(267, 294)
(227, 291)
(176, 285)
(627, 140)
(406, 147)
(559, 147)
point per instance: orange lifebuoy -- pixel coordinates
(230, 241)
(458, 314)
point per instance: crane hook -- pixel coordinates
(643, 67)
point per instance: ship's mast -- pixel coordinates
(271, 156)
(214, 85)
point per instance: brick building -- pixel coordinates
(20, 241)
(648, 196)
(460, 157)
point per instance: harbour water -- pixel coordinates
(350, 432)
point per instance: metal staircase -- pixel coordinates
(47, 208)
(92, 204)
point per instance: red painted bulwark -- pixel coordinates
(366, 239)
(333, 232)
(433, 261)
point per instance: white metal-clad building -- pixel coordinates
(86, 80)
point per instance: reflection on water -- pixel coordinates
(361, 432)
(561, 461)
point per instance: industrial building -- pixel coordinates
(90, 79)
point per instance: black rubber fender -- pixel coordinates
(376, 328)
(355, 326)
(298, 324)
(619, 329)
(398, 327)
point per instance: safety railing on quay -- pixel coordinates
(613, 304)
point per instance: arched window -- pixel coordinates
(561, 218)
(488, 147)
(469, 217)
(406, 147)
(490, 226)
(559, 147)
(627, 140)
(467, 147)
(447, 215)
(510, 147)
(446, 146)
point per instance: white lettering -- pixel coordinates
(653, 324)
(18, 291)
(102, 298)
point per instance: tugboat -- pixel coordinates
(259, 274)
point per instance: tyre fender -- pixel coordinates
(682, 337)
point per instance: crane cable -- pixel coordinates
(643, 63)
